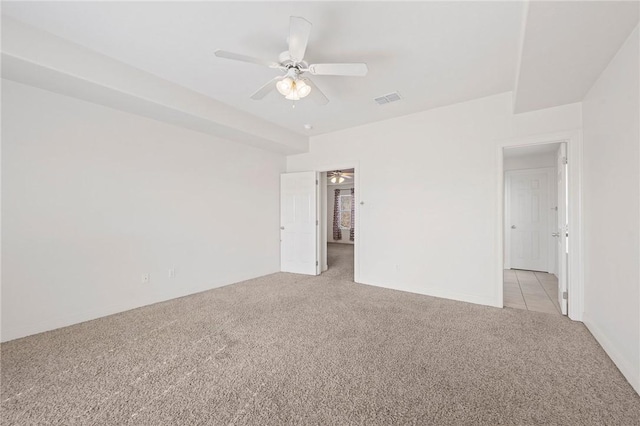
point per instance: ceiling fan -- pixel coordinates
(339, 176)
(292, 85)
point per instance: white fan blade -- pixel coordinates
(316, 94)
(299, 30)
(351, 70)
(347, 176)
(244, 58)
(264, 90)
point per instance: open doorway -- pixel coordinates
(310, 244)
(535, 228)
(337, 214)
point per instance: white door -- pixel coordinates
(528, 213)
(562, 233)
(298, 224)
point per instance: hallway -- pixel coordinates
(531, 290)
(340, 261)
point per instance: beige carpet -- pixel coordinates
(291, 349)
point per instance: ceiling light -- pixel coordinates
(285, 86)
(293, 96)
(303, 88)
(336, 179)
(291, 89)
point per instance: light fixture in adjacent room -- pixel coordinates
(339, 176)
(293, 89)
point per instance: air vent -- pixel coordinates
(391, 97)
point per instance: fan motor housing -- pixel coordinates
(286, 61)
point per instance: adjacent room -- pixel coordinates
(311, 212)
(536, 227)
(340, 208)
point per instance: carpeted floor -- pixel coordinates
(291, 349)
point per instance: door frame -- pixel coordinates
(575, 280)
(322, 204)
(551, 180)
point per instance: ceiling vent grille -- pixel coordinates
(391, 97)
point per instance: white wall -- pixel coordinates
(449, 197)
(611, 203)
(344, 190)
(94, 197)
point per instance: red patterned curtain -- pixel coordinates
(352, 233)
(337, 233)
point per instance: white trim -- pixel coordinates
(322, 217)
(552, 217)
(318, 216)
(625, 367)
(575, 283)
(551, 179)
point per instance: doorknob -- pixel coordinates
(282, 227)
(555, 234)
(513, 227)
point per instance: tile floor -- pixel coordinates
(534, 291)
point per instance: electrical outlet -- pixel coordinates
(146, 278)
(172, 273)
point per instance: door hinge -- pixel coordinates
(565, 295)
(316, 263)
(316, 181)
(317, 223)
(564, 160)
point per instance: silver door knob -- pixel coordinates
(555, 234)
(513, 227)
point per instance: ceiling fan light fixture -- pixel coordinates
(292, 63)
(293, 96)
(294, 90)
(337, 178)
(303, 88)
(285, 86)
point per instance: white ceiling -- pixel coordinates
(566, 47)
(432, 53)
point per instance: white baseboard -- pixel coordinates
(625, 366)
